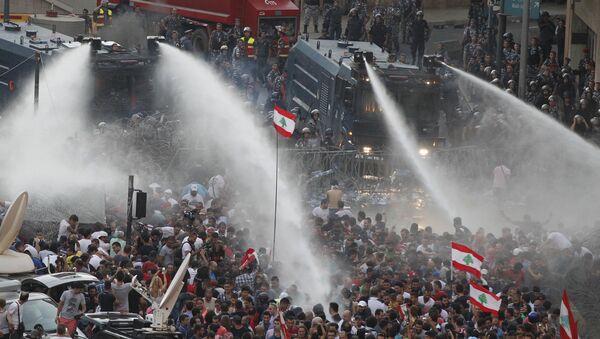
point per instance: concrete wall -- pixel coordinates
(586, 13)
(41, 6)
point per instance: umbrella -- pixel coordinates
(188, 188)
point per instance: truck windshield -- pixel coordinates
(269, 25)
(415, 104)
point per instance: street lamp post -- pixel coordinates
(524, 50)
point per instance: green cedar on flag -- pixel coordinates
(485, 300)
(284, 122)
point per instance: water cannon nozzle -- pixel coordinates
(153, 41)
(433, 61)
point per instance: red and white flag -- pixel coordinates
(465, 259)
(568, 325)
(284, 122)
(248, 258)
(403, 312)
(285, 332)
(485, 300)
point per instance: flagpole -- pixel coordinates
(276, 181)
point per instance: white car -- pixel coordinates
(39, 309)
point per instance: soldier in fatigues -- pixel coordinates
(393, 20)
(311, 10)
(408, 16)
(327, 5)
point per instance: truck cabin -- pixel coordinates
(331, 76)
(202, 16)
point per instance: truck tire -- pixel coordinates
(200, 41)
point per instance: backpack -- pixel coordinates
(179, 254)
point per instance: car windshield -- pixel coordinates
(40, 311)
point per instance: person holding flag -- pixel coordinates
(568, 325)
(485, 300)
(467, 260)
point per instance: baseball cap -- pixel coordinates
(362, 303)
(194, 188)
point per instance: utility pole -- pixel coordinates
(490, 28)
(6, 11)
(129, 209)
(36, 87)
(524, 50)
(500, 38)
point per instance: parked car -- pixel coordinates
(56, 283)
(108, 325)
(40, 309)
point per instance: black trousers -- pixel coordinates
(417, 49)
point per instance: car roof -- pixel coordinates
(57, 279)
(13, 296)
(9, 285)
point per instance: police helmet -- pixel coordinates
(247, 29)
(545, 107)
(510, 82)
(532, 84)
(494, 72)
(509, 91)
(420, 13)
(552, 98)
(295, 110)
(315, 111)
(224, 48)
(545, 88)
(495, 82)
(305, 130)
(507, 36)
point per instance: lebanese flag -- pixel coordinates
(285, 332)
(403, 312)
(568, 325)
(484, 299)
(248, 258)
(465, 259)
(284, 122)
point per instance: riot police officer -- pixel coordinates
(419, 34)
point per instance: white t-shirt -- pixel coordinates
(427, 304)
(3, 322)
(186, 247)
(501, 176)
(14, 311)
(84, 243)
(32, 251)
(216, 185)
(374, 305)
(170, 200)
(95, 261)
(63, 229)
(343, 212)
(193, 200)
(318, 212)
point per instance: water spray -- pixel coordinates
(404, 141)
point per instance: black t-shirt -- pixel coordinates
(238, 333)
(145, 250)
(107, 302)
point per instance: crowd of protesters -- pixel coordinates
(555, 85)
(390, 282)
